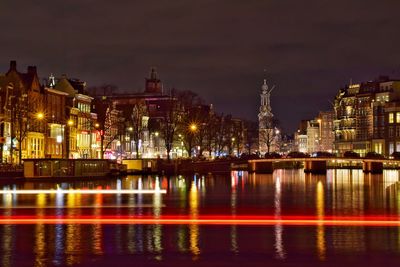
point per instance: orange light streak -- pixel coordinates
(203, 220)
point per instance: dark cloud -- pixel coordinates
(218, 48)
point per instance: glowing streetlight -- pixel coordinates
(193, 127)
(130, 129)
(156, 133)
(40, 116)
(96, 125)
(70, 122)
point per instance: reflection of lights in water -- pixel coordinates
(157, 234)
(390, 177)
(234, 243)
(58, 244)
(7, 233)
(279, 248)
(41, 200)
(7, 245)
(7, 200)
(320, 215)
(348, 190)
(97, 236)
(182, 237)
(181, 183)
(157, 230)
(73, 231)
(194, 212)
(40, 245)
(157, 186)
(86, 191)
(157, 201)
(59, 231)
(140, 184)
(131, 239)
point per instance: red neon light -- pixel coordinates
(205, 220)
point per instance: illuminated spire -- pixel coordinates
(52, 81)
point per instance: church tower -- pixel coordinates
(153, 83)
(266, 132)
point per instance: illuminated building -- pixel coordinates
(78, 106)
(141, 111)
(325, 121)
(313, 136)
(365, 116)
(55, 115)
(301, 138)
(22, 132)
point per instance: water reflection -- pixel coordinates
(284, 193)
(235, 176)
(194, 212)
(321, 247)
(279, 248)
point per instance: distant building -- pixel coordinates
(313, 136)
(142, 137)
(327, 135)
(300, 138)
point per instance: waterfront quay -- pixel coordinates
(59, 168)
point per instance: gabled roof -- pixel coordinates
(65, 86)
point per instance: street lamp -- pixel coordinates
(193, 127)
(40, 115)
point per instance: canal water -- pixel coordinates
(285, 194)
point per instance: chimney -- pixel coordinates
(13, 65)
(32, 70)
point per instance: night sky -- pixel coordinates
(219, 49)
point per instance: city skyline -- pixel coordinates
(216, 49)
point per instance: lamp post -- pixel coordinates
(192, 130)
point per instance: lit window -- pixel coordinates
(391, 118)
(398, 117)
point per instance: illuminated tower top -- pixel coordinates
(265, 107)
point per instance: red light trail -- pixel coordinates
(382, 221)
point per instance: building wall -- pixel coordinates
(366, 117)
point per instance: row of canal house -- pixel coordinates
(59, 118)
(367, 117)
(50, 119)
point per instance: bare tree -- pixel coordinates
(269, 133)
(250, 136)
(172, 117)
(134, 122)
(109, 123)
